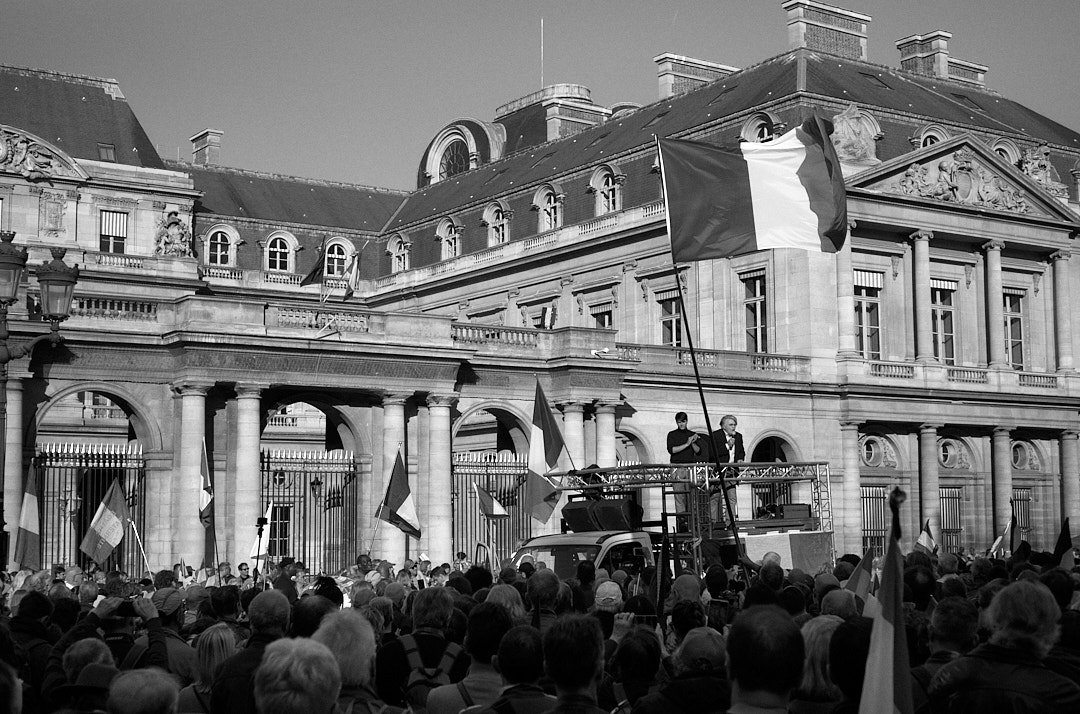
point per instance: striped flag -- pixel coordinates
(1063, 550)
(489, 505)
(352, 276)
(206, 510)
(107, 527)
(545, 446)
(398, 507)
(724, 201)
(28, 538)
(863, 577)
(925, 542)
(887, 683)
(997, 550)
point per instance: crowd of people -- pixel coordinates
(983, 635)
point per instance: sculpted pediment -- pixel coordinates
(963, 172)
(33, 158)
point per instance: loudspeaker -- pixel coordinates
(715, 551)
(796, 510)
(618, 514)
(578, 516)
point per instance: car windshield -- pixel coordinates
(563, 558)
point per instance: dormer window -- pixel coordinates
(762, 127)
(280, 249)
(454, 160)
(336, 257)
(398, 250)
(606, 185)
(931, 135)
(220, 246)
(548, 203)
(497, 219)
(449, 236)
(106, 152)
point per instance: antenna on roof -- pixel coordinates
(541, 53)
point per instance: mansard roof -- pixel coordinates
(798, 73)
(288, 199)
(75, 113)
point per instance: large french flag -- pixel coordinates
(545, 446)
(724, 201)
(398, 506)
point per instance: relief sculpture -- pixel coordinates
(958, 178)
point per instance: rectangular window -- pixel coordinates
(278, 539)
(1021, 506)
(943, 321)
(951, 519)
(868, 321)
(114, 230)
(1014, 327)
(671, 326)
(754, 308)
(106, 152)
(875, 522)
(602, 315)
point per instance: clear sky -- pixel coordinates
(354, 90)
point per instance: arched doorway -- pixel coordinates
(84, 442)
(769, 499)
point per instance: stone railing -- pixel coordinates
(967, 375)
(1039, 381)
(494, 334)
(117, 260)
(714, 360)
(114, 308)
(893, 370)
(305, 317)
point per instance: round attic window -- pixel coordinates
(455, 160)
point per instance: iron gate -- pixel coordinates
(72, 481)
(316, 505)
(503, 477)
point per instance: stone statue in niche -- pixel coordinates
(854, 136)
(1036, 164)
(173, 237)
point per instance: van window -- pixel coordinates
(562, 558)
(625, 556)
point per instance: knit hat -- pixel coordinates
(167, 600)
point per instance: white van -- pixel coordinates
(631, 551)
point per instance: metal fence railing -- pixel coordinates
(502, 476)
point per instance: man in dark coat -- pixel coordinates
(234, 688)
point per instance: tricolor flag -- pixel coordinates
(489, 505)
(729, 200)
(1063, 551)
(318, 271)
(28, 538)
(108, 526)
(352, 276)
(887, 683)
(206, 510)
(862, 577)
(925, 542)
(545, 445)
(261, 546)
(398, 507)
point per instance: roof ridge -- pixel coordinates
(269, 175)
(111, 86)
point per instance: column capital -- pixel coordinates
(850, 425)
(929, 428)
(607, 407)
(993, 245)
(921, 234)
(397, 399)
(577, 407)
(1061, 255)
(1070, 435)
(198, 387)
(1003, 430)
(442, 400)
(250, 391)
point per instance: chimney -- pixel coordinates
(929, 55)
(679, 75)
(826, 28)
(206, 147)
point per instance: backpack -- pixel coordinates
(423, 679)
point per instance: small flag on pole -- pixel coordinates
(545, 446)
(352, 276)
(398, 507)
(862, 577)
(28, 538)
(260, 546)
(489, 505)
(887, 683)
(925, 542)
(1063, 551)
(724, 201)
(107, 527)
(206, 510)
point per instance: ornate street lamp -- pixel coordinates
(57, 282)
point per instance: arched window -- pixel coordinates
(278, 254)
(497, 219)
(1007, 150)
(931, 135)
(449, 236)
(548, 203)
(606, 185)
(336, 257)
(398, 250)
(219, 248)
(454, 160)
(762, 127)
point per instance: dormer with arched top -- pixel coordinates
(460, 146)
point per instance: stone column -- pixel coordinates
(439, 523)
(995, 309)
(924, 336)
(247, 492)
(605, 435)
(847, 520)
(845, 299)
(1001, 458)
(188, 534)
(1070, 475)
(13, 464)
(929, 481)
(423, 473)
(1062, 311)
(390, 544)
(574, 433)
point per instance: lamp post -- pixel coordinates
(57, 282)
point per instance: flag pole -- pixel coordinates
(135, 532)
(697, 376)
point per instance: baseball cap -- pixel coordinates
(608, 596)
(167, 600)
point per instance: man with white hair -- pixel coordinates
(351, 640)
(295, 676)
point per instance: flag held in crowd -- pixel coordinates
(398, 507)
(545, 445)
(862, 577)
(724, 201)
(1063, 550)
(206, 510)
(261, 546)
(108, 526)
(887, 682)
(997, 550)
(28, 538)
(926, 542)
(489, 505)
